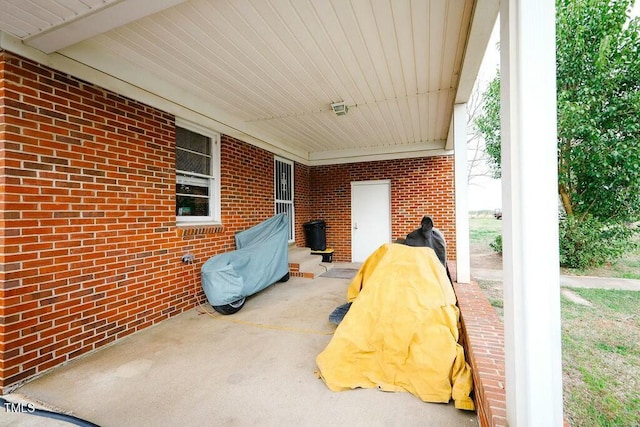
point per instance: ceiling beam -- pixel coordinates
(95, 22)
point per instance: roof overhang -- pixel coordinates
(269, 72)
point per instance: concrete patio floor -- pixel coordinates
(255, 367)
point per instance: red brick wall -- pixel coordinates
(91, 249)
(247, 185)
(421, 186)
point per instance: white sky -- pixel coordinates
(486, 193)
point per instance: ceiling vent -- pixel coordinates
(340, 108)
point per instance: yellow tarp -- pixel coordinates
(401, 332)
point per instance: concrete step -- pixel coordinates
(303, 264)
(302, 258)
(316, 271)
(297, 253)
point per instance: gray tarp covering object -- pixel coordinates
(262, 258)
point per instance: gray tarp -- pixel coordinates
(261, 259)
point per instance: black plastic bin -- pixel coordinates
(315, 234)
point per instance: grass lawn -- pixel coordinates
(600, 355)
(600, 341)
(601, 358)
(483, 229)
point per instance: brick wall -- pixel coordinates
(421, 186)
(91, 251)
(247, 185)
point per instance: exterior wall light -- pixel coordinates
(340, 108)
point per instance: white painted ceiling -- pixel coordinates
(269, 70)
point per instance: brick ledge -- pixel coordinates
(483, 341)
(199, 230)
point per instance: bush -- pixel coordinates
(496, 245)
(591, 242)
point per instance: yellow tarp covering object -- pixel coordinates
(401, 332)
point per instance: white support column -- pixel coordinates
(533, 355)
(463, 257)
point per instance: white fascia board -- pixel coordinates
(98, 21)
(484, 18)
(382, 153)
(449, 144)
(150, 90)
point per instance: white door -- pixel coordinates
(370, 217)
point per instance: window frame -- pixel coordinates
(214, 216)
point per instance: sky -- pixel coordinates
(486, 193)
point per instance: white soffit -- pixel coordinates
(271, 69)
(53, 25)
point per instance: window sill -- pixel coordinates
(187, 229)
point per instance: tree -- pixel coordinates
(598, 79)
(479, 163)
(598, 84)
(488, 125)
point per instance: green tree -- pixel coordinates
(488, 125)
(598, 84)
(598, 79)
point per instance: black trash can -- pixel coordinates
(315, 234)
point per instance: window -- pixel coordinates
(197, 174)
